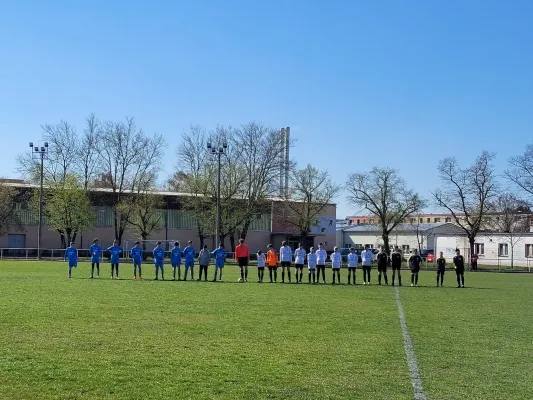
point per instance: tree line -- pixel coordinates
(122, 158)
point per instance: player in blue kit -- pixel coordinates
(220, 257)
(159, 261)
(115, 251)
(71, 255)
(96, 254)
(189, 253)
(136, 254)
(175, 260)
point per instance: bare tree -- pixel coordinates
(310, 192)
(8, 217)
(148, 214)
(260, 148)
(421, 234)
(467, 193)
(61, 158)
(87, 157)
(510, 216)
(196, 174)
(383, 193)
(128, 156)
(521, 171)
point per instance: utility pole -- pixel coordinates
(218, 151)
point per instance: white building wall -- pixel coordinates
(401, 239)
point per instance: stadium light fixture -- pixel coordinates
(40, 153)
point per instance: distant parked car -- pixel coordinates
(430, 257)
(425, 253)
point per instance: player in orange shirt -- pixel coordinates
(272, 263)
(242, 255)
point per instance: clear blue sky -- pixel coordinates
(361, 83)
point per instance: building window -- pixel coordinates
(479, 249)
(503, 250)
(358, 245)
(436, 220)
(529, 250)
(412, 220)
(420, 220)
(358, 221)
(429, 220)
(405, 248)
(448, 219)
(371, 221)
(370, 245)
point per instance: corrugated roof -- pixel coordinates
(399, 227)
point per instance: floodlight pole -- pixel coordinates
(41, 153)
(218, 152)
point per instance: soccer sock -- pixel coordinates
(441, 278)
(140, 272)
(116, 272)
(301, 275)
(246, 272)
(283, 274)
(333, 276)
(463, 279)
(156, 272)
(192, 273)
(289, 273)
(368, 274)
(379, 278)
(386, 279)
(242, 273)
(162, 273)
(416, 279)
(270, 274)
(399, 279)
(412, 279)
(339, 276)
(69, 271)
(134, 270)
(205, 273)
(458, 280)
(275, 276)
(92, 269)
(438, 277)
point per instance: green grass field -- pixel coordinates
(102, 339)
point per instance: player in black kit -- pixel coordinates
(396, 262)
(459, 263)
(383, 260)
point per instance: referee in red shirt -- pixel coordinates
(242, 255)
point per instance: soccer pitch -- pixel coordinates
(107, 339)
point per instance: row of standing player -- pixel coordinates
(315, 260)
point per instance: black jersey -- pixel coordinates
(459, 262)
(382, 259)
(396, 260)
(441, 263)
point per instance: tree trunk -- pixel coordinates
(69, 236)
(385, 238)
(62, 239)
(222, 239)
(303, 238)
(202, 240)
(232, 242)
(471, 241)
(115, 223)
(74, 235)
(245, 228)
(143, 237)
(512, 254)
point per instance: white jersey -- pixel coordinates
(367, 257)
(299, 256)
(311, 260)
(336, 260)
(353, 259)
(261, 260)
(285, 254)
(321, 256)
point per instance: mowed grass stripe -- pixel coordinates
(89, 339)
(473, 343)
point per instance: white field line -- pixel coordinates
(416, 381)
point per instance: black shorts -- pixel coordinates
(299, 266)
(285, 263)
(261, 268)
(441, 270)
(274, 268)
(415, 270)
(321, 267)
(460, 271)
(396, 267)
(243, 261)
(382, 268)
(352, 268)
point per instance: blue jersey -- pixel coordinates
(219, 255)
(136, 254)
(71, 254)
(175, 256)
(96, 253)
(115, 254)
(159, 255)
(189, 253)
